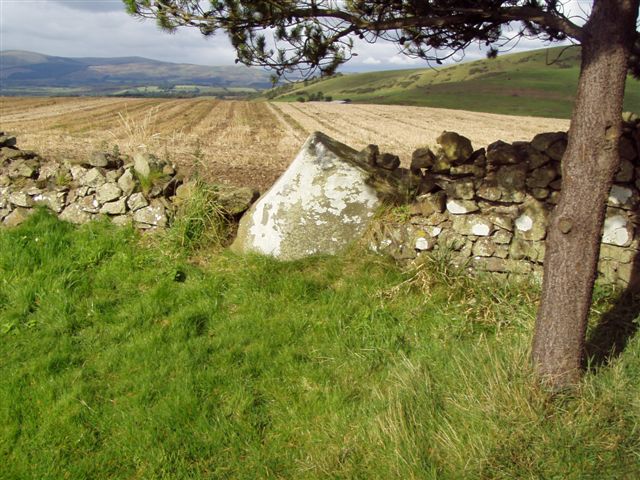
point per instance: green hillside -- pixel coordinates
(540, 83)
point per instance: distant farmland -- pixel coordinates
(239, 142)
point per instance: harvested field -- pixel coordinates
(243, 143)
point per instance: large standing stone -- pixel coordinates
(319, 205)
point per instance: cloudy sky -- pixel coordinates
(101, 28)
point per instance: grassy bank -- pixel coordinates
(121, 358)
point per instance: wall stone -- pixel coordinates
(144, 191)
(491, 207)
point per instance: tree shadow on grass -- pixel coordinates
(617, 326)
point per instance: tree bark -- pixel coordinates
(588, 167)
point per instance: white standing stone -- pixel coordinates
(319, 205)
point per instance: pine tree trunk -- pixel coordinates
(588, 167)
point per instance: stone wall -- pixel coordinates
(141, 190)
(490, 208)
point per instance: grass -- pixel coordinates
(537, 83)
(121, 359)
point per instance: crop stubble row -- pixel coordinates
(244, 143)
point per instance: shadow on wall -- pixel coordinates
(617, 326)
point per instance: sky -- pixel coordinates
(101, 28)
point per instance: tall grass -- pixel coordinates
(113, 366)
(200, 220)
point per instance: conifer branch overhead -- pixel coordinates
(311, 35)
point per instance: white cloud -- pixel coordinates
(371, 61)
(404, 60)
(88, 28)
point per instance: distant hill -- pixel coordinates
(24, 73)
(539, 82)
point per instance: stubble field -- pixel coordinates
(239, 142)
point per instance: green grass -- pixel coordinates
(529, 83)
(120, 358)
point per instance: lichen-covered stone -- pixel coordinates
(511, 179)
(617, 230)
(621, 196)
(532, 157)
(472, 225)
(461, 207)
(467, 170)
(531, 224)
(542, 177)
(236, 200)
(451, 240)
(489, 190)
(9, 153)
(499, 265)
(108, 192)
(369, 154)
(501, 153)
(540, 193)
(17, 217)
(117, 207)
(127, 182)
(151, 216)
(422, 158)
(456, 148)
(426, 205)
(89, 204)
(75, 214)
(388, 161)
(484, 247)
(22, 168)
(319, 205)
(112, 176)
(462, 189)
(55, 201)
(137, 201)
(143, 163)
(618, 254)
(523, 249)
(543, 141)
(20, 199)
(93, 178)
(556, 149)
(625, 171)
(502, 237)
(98, 159)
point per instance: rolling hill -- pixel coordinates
(27, 73)
(539, 82)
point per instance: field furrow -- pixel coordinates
(244, 143)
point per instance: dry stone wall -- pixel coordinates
(489, 208)
(140, 190)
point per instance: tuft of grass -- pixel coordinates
(200, 221)
(125, 362)
(147, 182)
